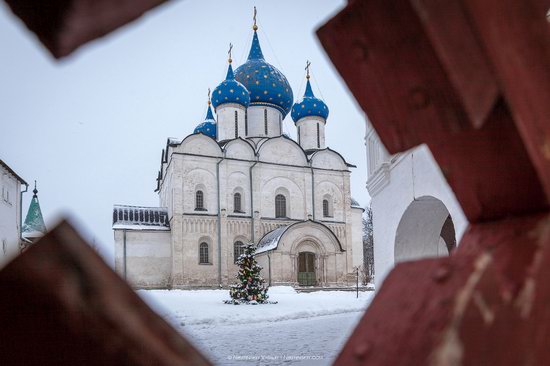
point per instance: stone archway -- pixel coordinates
(308, 265)
(425, 230)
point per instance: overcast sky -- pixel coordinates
(91, 128)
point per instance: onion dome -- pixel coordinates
(230, 90)
(208, 127)
(309, 106)
(266, 84)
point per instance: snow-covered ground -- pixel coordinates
(301, 329)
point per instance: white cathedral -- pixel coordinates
(239, 179)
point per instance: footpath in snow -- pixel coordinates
(301, 329)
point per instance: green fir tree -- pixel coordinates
(251, 286)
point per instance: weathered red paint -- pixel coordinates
(477, 307)
(397, 75)
(516, 36)
(64, 25)
(62, 305)
(487, 304)
(462, 58)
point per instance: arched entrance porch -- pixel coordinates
(279, 252)
(426, 229)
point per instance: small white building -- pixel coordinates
(10, 212)
(239, 179)
(415, 212)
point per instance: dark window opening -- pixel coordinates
(280, 206)
(199, 201)
(237, 250)
(203, 253)
(237, 203)
(265, 121)
(236, 124)
(318, 138)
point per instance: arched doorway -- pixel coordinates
(425, 230)
(306, 269)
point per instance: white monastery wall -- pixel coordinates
(148, 257)
(394, 185)
(10, 209)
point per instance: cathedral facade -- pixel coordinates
(239, 179)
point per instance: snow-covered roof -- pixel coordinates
(174, 141)
(271, 239)
(354, 203)
(140, 218)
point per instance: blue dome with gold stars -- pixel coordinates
(266, 84)
(230, 91)
(208, 127)
(309, 106)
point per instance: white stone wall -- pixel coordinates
(148, 257)
(256, 121)
(307, 133)
(225, 115)
(10, 209)
(394, 185)
(376, 152)
(330, 186)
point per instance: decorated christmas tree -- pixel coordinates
(251, 287)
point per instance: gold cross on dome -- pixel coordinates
(255, 27)
(308, 64)
(229, 52)
(208, 96)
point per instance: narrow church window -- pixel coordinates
(203, 253)
(326, 212)
(237, 202)
(265, 121)
(280, 206)
(237, 250)
(199, 201)
(246, 123)
(318, 138)
(236, 124)
(280, 125)
(299, 135)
